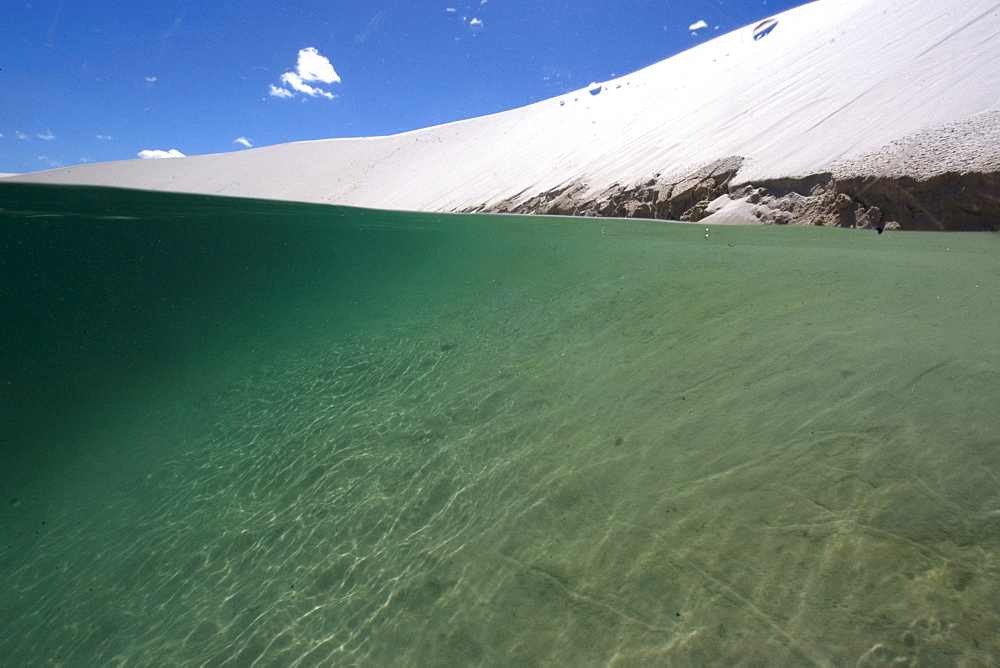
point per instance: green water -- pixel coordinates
(273, 434)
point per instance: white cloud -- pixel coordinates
(51, 162)
(21, 135)
(151, 79)
(104, 136)
(450, 10)
(475, 25)
(312, 67)
(172, 153)
(244, 141)
(48, 136)
(698, 26)
(296, 83)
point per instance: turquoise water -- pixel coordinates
(257, 433)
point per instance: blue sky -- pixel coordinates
(88, 81)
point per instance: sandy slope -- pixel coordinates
(835, 83)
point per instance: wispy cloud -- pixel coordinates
(50, 162)
(370, 28)
(312, 67)
(104, 136)
(21, 135)
(48, 136)
(244, 141)
(172, 153)
(151, 79)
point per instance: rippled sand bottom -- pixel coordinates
(526, 441)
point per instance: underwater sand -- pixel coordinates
(258, 433)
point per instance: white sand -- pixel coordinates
(835, 81)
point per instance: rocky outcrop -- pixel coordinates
(653, 197)
(949, 201)
(944, 202)
(942, 178)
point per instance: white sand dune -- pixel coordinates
(835, 83)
